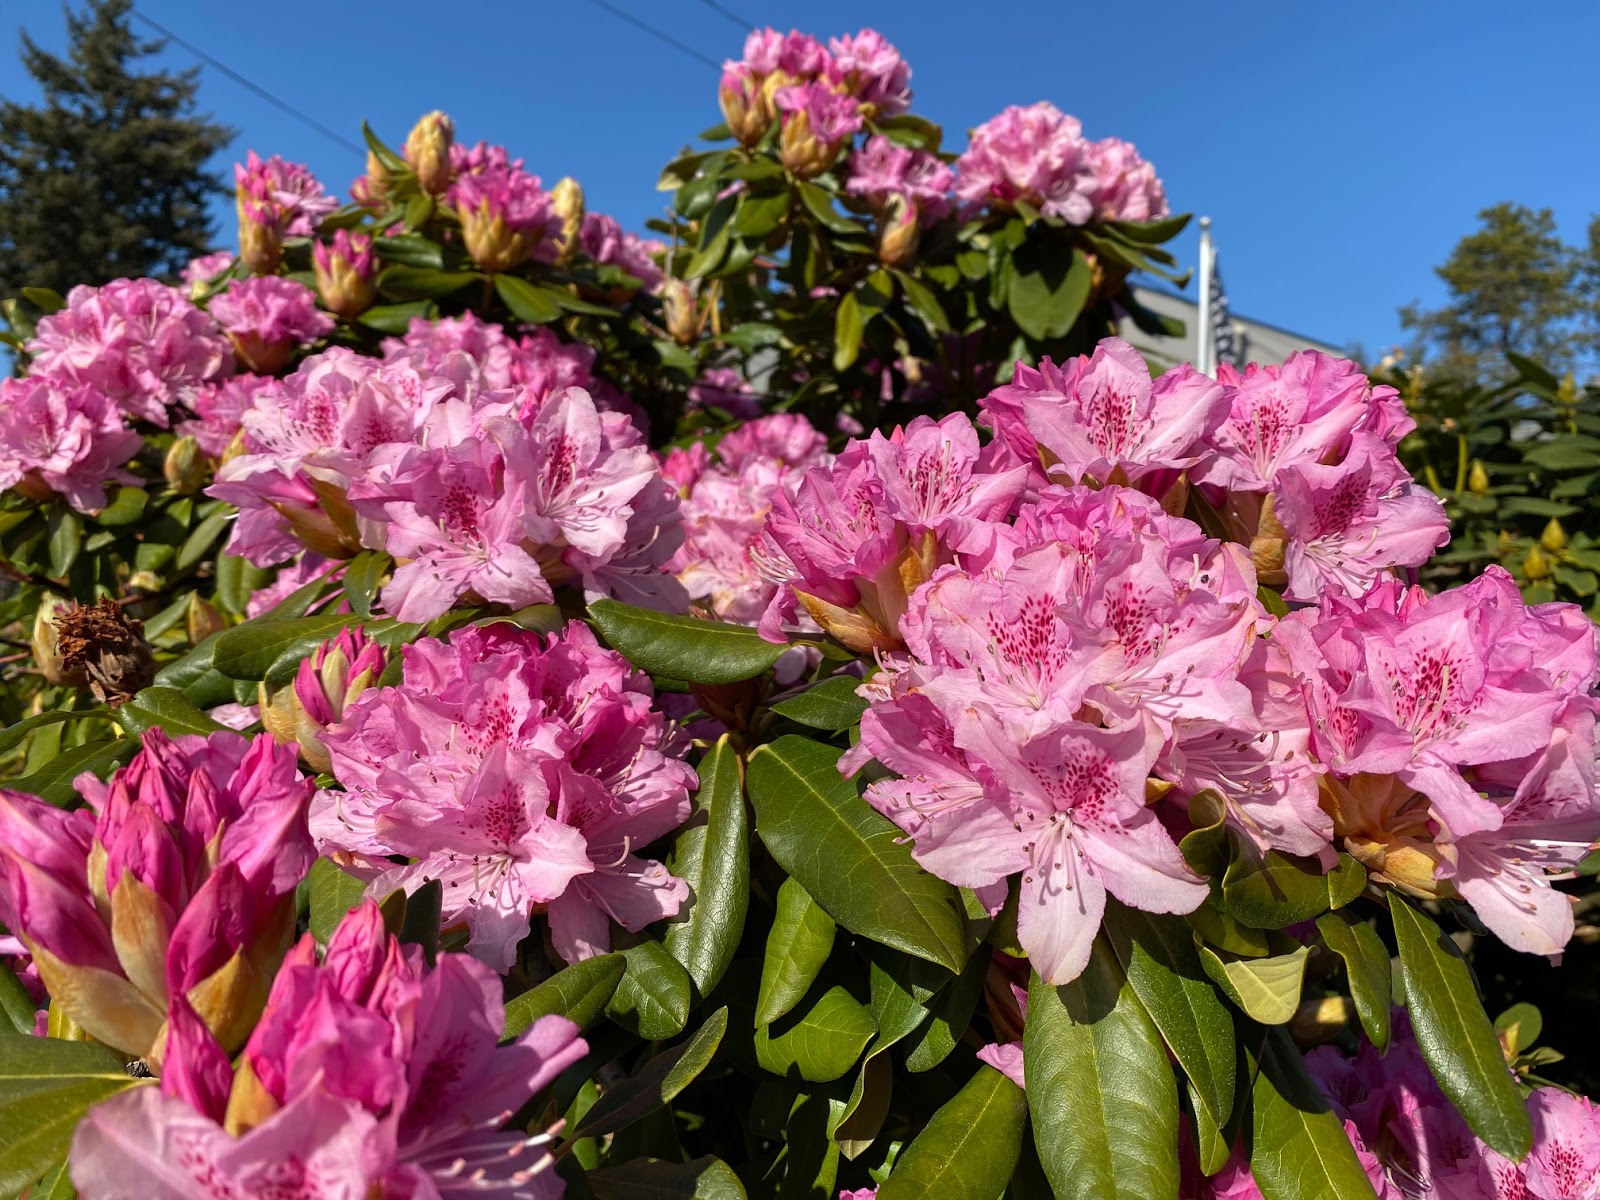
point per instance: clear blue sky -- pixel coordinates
(1341, 149)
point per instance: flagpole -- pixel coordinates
(1204, 347)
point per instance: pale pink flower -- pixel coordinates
(536, 768)
(282, 196)
(203, 269)
(1126, 187)
(1037, 155)
(65, 438)
(873, 71)
(608, 244)
(219, 410)
(267, 317)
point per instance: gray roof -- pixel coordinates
(1257, 341)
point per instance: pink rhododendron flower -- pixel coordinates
(370, 1074)
(219, 410)
(725, 505)
(505, 215)
(727, 389)
(57, 436)
(608, 244)
(817, 122)
(176, 881)
(881, 171)
(1100, 418)
(283, 195)
(138, 341)
(860, 535)
(1036, 154)
(346, 270)
(1126, 187)
(267, 317)
(873, 71)
(538, 766)
(206, 267)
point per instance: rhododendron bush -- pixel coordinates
(792, 709)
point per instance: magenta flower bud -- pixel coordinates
(177, 881)
(817, 122)
(267, 318)
(745, 106)
(505, 216)
(324, 688)
(346, 271)
(275, 200)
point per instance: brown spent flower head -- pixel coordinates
(97, 646)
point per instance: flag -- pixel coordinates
(1223, 347)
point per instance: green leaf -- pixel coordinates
(1454, 1033)
(1103, 1099)
(1050, 285)
(535, 305)
(395, 318)
(968, 1149)
(166, 708)
(652, 999)
(579, 992)
(1163, 967)
(1274, 890)
(818, 1043)
(127, 506)
(852, 861)
(923, 302)
(1298, 1146)
(1519, 1027)
(820, 205)
(15, 1003)
(57, 1185)
(1151, 233)
(1562, 455)
(412, 249)
(952, 1013)
(381, 152)
(204, 535)
(848, 328)
(798, 943)
(411, 283)
(713, 857)
(760, 215)
(831, 705)
(249, 651)
(362, 575)
(1366, 964)
(66, 539)
(1268, 989)
(705, 1178)
(683, 647)
(52, 782)
(657, 1082)
(47, 299)
(45, 1087)
(333, 893)
(13, 735)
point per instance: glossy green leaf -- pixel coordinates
(1050, 285)
(831, 705)
(66, 540)
(652, 999)
(968, 1149)
(951, 1013)
(13, 735)
(848, 329)
(165, 708)
(47, 300)
(923, 302)
(705, 1178)
(798, 944)
(56, 1185)
(1162, 965)
(1298, 1146)
(713, 857)
(16, 1005)
(817, 1042)
(1274, 890)
(201, 539)
(1366, 963)
(45, 1087)
(1519, 1026)
(412, 249)
(1455, 1035)
(851, 860)
(362, 577)
(657, 1082)
(579, 992)
(529, 303)
(408, 283)
(820, 205)
(248, 651)
(683, 647)
(1268, 989)
(333, 894)
(760, 215)
(395, 318)
(1102, 1096)
(127, 506)
(52, 782)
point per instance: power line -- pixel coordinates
(281, 105)
(659, 35)
(745, 26)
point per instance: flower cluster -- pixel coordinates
(494, 492)
(176, 883)
(505, 214)
(1058, 650)
(275, 200)
(1412, 1142)
(725, 504)
(63, 438)
(369, 1074)
(266, 318)
(1038, 155)
(520, 772)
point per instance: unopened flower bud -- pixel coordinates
(428, 151)
(378, 179)
(1536, 566)
(324, 688)
(98, 646)
(802, 153)
(202, 619)
(897, 239)
(185, 466)
(1554, 538)
(746, 106)
(567, 200)
(1478, 479)
(346, 272)
(681, 312)
(260, 247)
